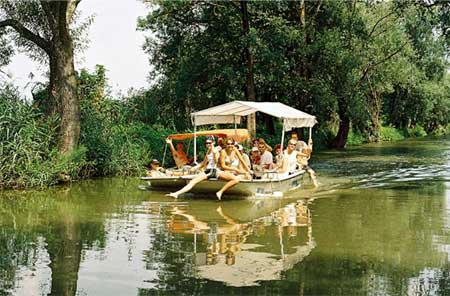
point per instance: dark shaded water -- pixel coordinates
(379, 225)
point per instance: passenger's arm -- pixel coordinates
(204, 162)
(169, 142)
(241, 160)
(283, 166)
(268, 165)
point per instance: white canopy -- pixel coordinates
(232, 112)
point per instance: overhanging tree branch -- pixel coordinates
(385, 59)
(71, 7)
(27, 34)
(379, 21)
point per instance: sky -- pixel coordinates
(115, 43)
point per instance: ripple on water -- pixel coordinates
(428, 173)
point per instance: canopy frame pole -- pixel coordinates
(195, 139)
(235, 127)
(189, 146)
(310, 133)
(282, 136)
(164, 155)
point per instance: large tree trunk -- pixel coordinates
(341, 138)
(250, 92)
(66, 89)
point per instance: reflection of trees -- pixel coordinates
(374, 244)
(67, 220)
(16, 249)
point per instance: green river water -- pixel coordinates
(378, 225)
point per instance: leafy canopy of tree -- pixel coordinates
(355, 65)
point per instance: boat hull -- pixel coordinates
(245, 188)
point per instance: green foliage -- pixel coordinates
(28, 154)
(391, 134)
(357, 62)
(414, 132)
(117, 142)
(356, 138)
(113, 140)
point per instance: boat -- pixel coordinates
(274, 187)
(233, 113)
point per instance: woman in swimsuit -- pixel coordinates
(210, 163)
(232, 162)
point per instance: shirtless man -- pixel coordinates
(180, 157)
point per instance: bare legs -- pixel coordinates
(190, 185)
(232, 180)
(313, 177)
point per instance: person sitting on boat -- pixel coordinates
(232, 162)
(179, 156)
(268, 148)
(303, 156)
(209, 163)
(289, 160)
(266, 161)
(220, 144)
(155, 169)
(278, 156)
(301, 146)
(255, 157)
(244, 155)
(255, 143)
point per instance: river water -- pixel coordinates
(378, 225)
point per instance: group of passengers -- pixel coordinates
(228, 161)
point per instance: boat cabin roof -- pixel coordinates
(232, 112)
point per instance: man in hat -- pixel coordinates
(155, 169)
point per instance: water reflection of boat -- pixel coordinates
(242, 253)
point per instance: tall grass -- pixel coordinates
(28, 150)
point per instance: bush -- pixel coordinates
(116, 141)
(113, 141)
(28, 154)
(417, 131)
(391, 134)
(356, 138)
(442, 130)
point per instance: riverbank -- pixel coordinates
(120, 151)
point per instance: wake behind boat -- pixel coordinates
(271, 182)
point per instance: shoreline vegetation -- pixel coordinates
(369, 71)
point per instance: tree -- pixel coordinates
(250, 92)
(42, 29)
(355, 65)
